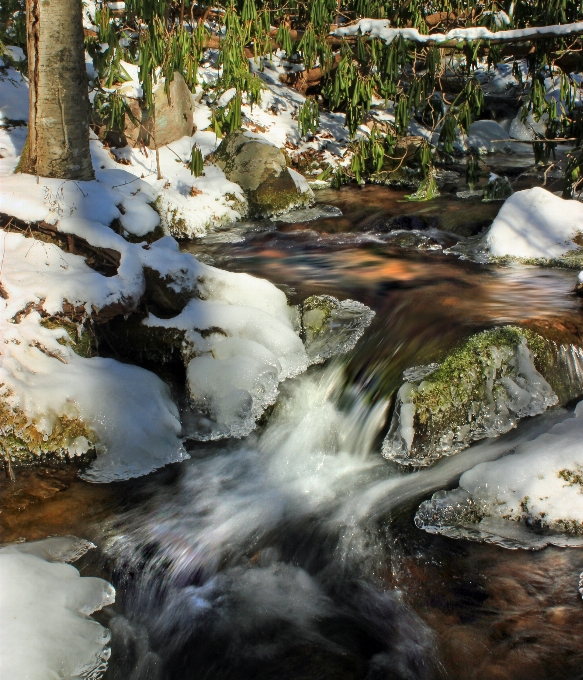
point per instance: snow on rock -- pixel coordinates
(239, 356)
(116, 195)
(530, 498)
(56, 401)
(188, 205)
(239, 337)
(45, 608)
(488, 136)
(535, 224)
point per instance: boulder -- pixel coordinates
(481, 389)
(167, 121)
(260, 169)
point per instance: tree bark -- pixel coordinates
(58, 133)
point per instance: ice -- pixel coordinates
(535, 224)
(531, 497)
(45, 608)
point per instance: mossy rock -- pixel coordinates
(260, 169)
(480, 390)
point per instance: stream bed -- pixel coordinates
(293, 553)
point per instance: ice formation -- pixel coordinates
(532, 497)
(45, 608)
(535, 224)
(481, 390)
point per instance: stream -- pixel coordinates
(293, 553)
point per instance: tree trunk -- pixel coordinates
(58, 132)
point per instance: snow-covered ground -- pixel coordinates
(45, 608)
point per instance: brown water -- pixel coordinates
(404, 604)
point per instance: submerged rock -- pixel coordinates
(527, 499)
(481, 390)
(260, 169)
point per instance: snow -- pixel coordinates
(45, 608)
(13, 97)
(528, 498)
(535, 223)
(244, 344)
(241, 338)
(488, 136)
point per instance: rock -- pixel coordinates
(498, 188)
(167, 121)
(260, 169)
(481, 390)
(331, 327)
(529, 129)
(530, 497)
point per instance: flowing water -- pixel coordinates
(293, 553)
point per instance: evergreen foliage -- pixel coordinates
(166, 36)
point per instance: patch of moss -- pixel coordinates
(572, 259)
(459, 380)
(316, 311)
(572, 477)
(466, 397)
(80, 340)
(23, 443)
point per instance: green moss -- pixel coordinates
(80, 342)
(316, 311)
(459, 380)
(573, 259)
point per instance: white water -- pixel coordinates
(255, 547)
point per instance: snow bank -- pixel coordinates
(239, 337)
(535, 224)
(529, 498)
(44, 612)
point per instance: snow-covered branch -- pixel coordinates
(379, 28)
